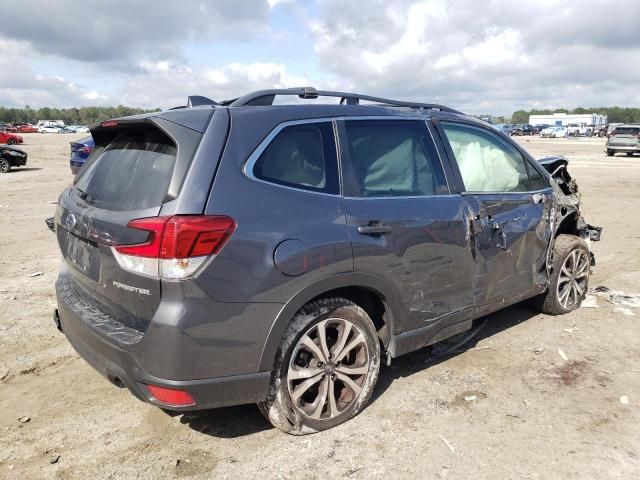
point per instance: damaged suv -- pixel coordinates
(246, 252)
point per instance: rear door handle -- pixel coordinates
(374, 228)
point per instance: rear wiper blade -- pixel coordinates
(85, 196)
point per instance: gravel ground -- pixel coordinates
(534, 416)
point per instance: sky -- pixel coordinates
(475, 56)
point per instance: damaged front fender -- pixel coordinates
(568, 217)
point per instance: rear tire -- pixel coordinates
(629, 154)
(325, 370)
(5, 166)
(569, 280)
(11, 141)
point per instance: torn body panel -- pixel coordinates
(568, 218)
(511, 235)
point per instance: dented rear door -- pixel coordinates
(405, 226)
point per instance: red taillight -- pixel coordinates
(86, 150)
(110, 123)
(177, 247)
(169, 396)
(180, 236)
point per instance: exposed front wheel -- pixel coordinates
(11, 141)
(326, 368)
(4, 165)
(569, 281)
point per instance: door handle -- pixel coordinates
(374, 228)
(502, 237)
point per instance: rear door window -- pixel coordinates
(301, 156)
(133, 172)
(393, 158)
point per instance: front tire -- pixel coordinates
(569, 280)
(325, 370)
(11, 141)
(610, 153)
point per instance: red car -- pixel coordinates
(26, 129)
(10, 138)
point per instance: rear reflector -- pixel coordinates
(177, 246)
(169, 396)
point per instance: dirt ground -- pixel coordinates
(535, 415)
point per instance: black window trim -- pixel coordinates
(527, 159)
(264, 144)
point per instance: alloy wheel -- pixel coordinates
(572, 282)
(328, 369)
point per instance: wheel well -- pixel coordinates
(371, 302)
(568, 225)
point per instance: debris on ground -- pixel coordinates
(4, 372)
(624, 311)
(562, 354)
(590, 301)
(36, 274)
(54, 458)
(538, 350)
(24, 419)
(447, 443)
(470, 398)
(618, 298)
(624, 400)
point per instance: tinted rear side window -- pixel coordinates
(393, 158)
(301, 156)
(132, 173)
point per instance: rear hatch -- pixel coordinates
(136, 168)
(625, 137)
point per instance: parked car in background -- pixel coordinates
(523, 129)
(78, 128)
(11, 157)
(624, 139)
(578, 130)
(26, 128)
(612, 126)
(504, 128)
(10, 138)
(553, 132)
(238, 253)
(80, 151)
(538, 128)
(50, 129)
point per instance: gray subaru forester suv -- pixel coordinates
(251, 252)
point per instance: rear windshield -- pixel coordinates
(627, 130)
(132, 173)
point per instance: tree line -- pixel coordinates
(614, 114)
(71, 116)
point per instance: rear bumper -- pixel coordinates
(112, 349)
(624, 148)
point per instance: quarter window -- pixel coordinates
(301, 156)
(393, 158)
(486, 163)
